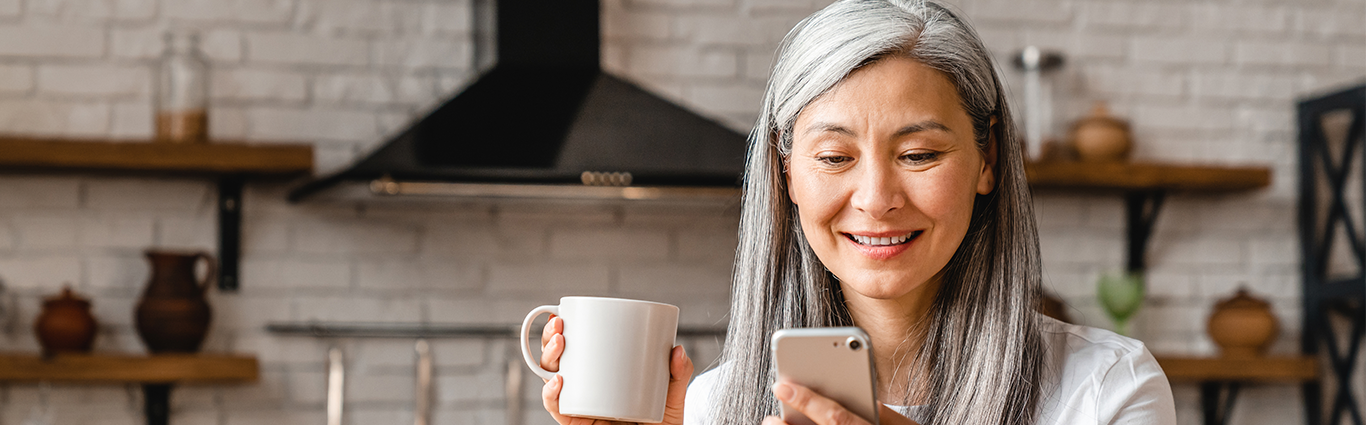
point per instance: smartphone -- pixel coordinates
(835, 362)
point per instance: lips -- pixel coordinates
(883, 246)
(882, 241)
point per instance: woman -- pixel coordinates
(885, 189)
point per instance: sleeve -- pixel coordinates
(1136, 391)
(697, 407)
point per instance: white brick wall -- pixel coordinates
(1202, 81)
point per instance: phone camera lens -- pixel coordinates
(854, 344)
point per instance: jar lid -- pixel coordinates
(1100, 114)
(1243, 300)
(68, 298)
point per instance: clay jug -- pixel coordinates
(173, 316)
(65, 325)
(1243, 326)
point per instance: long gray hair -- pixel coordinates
(981, 353)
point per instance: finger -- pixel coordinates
(550, 397)
(550, 354)
(774, 420)
(680, 372)
(891, 417)
(552, 327)
(821, 410)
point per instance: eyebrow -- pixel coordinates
(909, 129)
(923, 126)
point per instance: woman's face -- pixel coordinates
(884, 172)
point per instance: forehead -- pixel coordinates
(889, 91)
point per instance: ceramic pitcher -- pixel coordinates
(173, 316)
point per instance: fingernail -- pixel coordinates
(782, 391)
(557, 380)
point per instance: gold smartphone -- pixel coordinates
(835, 362)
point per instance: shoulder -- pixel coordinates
(697, 405)
(1096, 375)
(1085, 344)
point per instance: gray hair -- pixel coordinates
(981, 357)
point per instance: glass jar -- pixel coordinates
(182, 91)
(1039, 68)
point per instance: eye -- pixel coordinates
(920, 157)
(833, 159)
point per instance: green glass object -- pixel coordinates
(1121, 296)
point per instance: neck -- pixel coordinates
(894, 326)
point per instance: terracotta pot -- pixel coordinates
(65, 325)
(1100, 137)
(1243, 326)
(173, 316)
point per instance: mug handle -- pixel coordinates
(526, 348)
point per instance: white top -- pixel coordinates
(1092, 376)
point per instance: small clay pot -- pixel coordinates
(65, 324)
(1243, 326)
(1100, 137)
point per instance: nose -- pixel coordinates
(878, 190)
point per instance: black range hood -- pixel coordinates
(545, 119)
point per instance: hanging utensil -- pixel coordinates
(513, 392)
(423, 411)
(336, 381)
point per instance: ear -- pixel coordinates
(787, 179)
(986, 181)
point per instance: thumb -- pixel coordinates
(680, 372)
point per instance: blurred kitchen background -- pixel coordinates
(1205, 82)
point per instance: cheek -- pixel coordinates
(948, 200)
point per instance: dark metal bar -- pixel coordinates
(1217, 399)
(156, 403)
(229, 231)
(1209, 402)
(1141, 209)
(399, 330)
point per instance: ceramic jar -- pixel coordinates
(1243, 326)
(65, 324)
(173, 315)
(1100, 137)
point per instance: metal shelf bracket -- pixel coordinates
(1141, 208)
(229, 231)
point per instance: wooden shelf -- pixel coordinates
(1125, 176)
(107, 368)
(141, 156)
(1262, 369)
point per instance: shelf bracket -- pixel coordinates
(1216, 401)
(1141, 208)
(156, 403)
(229, 231)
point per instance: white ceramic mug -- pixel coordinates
(615, 363)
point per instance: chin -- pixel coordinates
(881, 287)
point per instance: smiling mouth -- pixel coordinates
(887, 241)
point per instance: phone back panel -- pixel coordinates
(821, 359)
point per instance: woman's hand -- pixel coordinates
(825, 411)
(552, 346)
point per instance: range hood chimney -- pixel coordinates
(545, 121)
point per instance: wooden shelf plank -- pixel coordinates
(1127, 176)
(1261, 369)
(108, 368)
(219, 157)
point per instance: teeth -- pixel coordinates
(871, 241)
